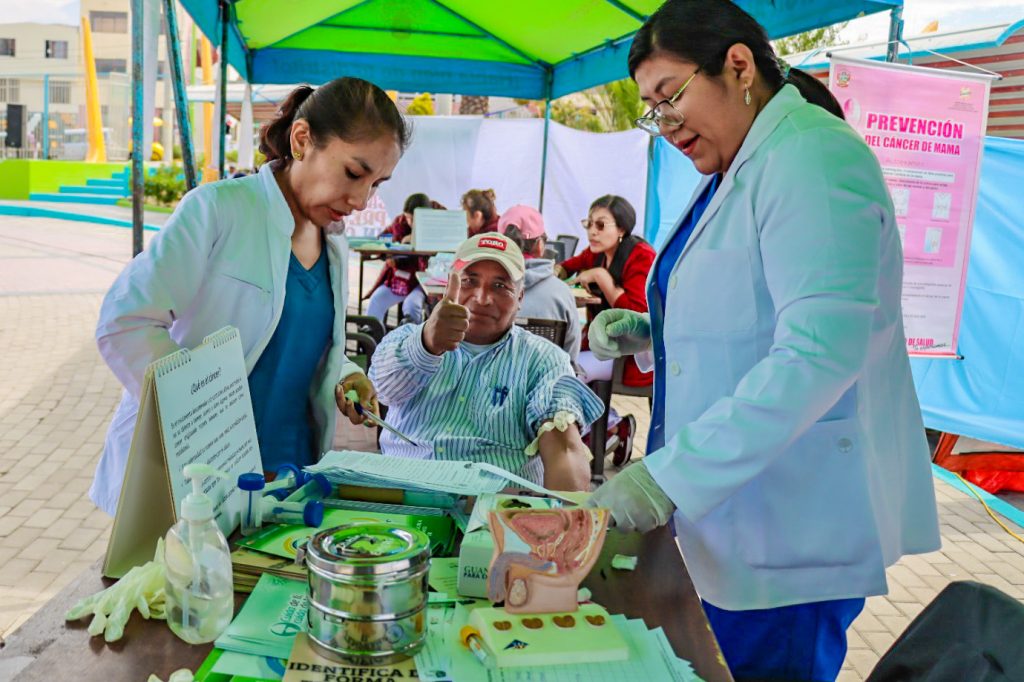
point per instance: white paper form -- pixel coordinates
(431, 475)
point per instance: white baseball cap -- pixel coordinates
(491, 246)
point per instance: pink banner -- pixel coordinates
(926, 126)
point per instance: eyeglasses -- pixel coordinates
(587, 223)
(664, 114)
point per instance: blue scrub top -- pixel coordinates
(670, 255)
(279, 383)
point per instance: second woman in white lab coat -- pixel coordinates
(786, 437)
(262, 253)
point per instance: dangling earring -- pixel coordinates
(746, 95)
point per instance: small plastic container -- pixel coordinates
(252, 486)
(317, 487)
(309, 513)
(287, 478)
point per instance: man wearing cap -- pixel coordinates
(545, 296)
(469, 385)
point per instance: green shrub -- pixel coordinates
(165, 186)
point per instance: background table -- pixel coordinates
(659, 591)
(380, 252)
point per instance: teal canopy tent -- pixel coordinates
(531, 49)
(535, 49)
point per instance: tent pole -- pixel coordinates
(138, 147)
(549, 78)
(544, 154)
(895, 33)
(180, 98)
(225, 19)
(46, 116)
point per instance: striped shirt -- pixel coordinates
(483, 407)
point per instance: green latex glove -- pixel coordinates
(634, 499)
(141, 588)
(617, 332)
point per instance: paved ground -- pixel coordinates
(57, 396)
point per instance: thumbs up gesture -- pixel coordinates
(449, 321)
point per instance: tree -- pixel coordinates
(421, 105)
(472, 104)
(826, 36)
(606, 108)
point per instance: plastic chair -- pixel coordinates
(969, 632)
(552, 330)
(600, 444)
(570, 241)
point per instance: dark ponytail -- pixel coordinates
(275, 137)
(702, 31)
(815, 92)
(351, 109)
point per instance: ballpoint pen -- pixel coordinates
(354, 397)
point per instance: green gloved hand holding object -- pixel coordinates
(635, 500)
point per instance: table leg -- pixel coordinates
(359, 295)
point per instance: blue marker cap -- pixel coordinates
(313, 514)
(251, 482)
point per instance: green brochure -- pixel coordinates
(269, 620)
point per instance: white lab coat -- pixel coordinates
(222, 259)
(795, 450)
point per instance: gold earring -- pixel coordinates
(746, 95)
(298, 155)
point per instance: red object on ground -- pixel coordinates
(995, 481)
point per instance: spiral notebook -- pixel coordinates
(194, 407)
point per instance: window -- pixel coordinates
(60, 92)
(6, 47)
(9, 90)
(108, 22)
(111, 66)
(56, 49)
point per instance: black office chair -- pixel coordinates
(600, 444)
(362, 334)
(555, 251)
(569, 241)
(552, 330)
(969, 632)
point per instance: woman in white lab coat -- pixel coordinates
(787, 441)
(231, 252)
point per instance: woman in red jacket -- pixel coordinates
(615, 268)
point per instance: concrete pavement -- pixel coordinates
(58, 396)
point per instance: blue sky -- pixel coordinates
(951, 15)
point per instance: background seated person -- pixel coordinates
(481, 211)
(545, 296)
(615, 268)
(397, 280)
(470, 385)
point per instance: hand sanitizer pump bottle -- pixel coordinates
(199, 589)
